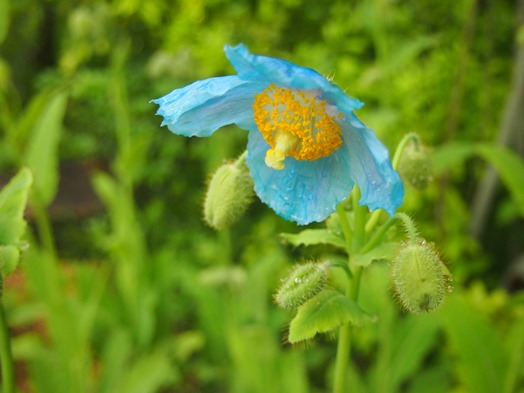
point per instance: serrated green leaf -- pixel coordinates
(383, 251)
(325, 312)
(13, 199)
(42, 154)
(509, 167)
(311, 237)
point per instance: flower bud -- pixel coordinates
(9, 256)
(229, 193)
(415, 165)
(420, 278)
(304, 282)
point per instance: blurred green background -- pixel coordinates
(124, 289)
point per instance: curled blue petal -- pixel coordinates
(304, 191)
(204, 106)
(370, 167)
(285, 74)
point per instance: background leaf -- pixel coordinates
(510, 168)
(42, 157)
(483, 359)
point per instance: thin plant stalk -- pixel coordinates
(353, 244)
(6, 357)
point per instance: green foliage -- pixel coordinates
(42, 157)
(324, 313)
(154, 301)
(13, 199)
(310, 237)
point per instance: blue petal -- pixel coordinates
(370, 167)
(285, 74)
(204, 106)
(304, 191)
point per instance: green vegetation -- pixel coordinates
(120, 286)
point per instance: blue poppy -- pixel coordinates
(306, 148)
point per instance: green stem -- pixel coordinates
(240, 160)
(45, 231)
(409, 225)
(344, 338)
(377, 238)
(346, 228)
(402, 145)
(360, 220)
(8, 375)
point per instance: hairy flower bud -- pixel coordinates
(229, 193)
(9, 256)
(304, 282)
(420, 278)
(415, 165)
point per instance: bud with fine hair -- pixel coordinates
(304, 282)
(415, 165)
(420, 278)
(229, 194)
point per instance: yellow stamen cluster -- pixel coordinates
(295, 123)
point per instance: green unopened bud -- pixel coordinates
(9, 257)
(420, 278)
(415, 165)
(304, 282)
(229, 194)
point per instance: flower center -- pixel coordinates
(296, 123)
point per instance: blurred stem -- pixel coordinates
(344, 337)
(346, 228)
(225, 242)
(8, 376)
(402, 145)
(45, 232)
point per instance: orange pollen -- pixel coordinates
(296, 123)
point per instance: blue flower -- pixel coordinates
(306, 148)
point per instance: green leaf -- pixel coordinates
(42, 154)
(508, 165)
(325, 312)
(149, 374)
(482, 359)
(510, 168)
(411, 342)
(310, 237)
(451, 155)
(13, 199)
(383, 251)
